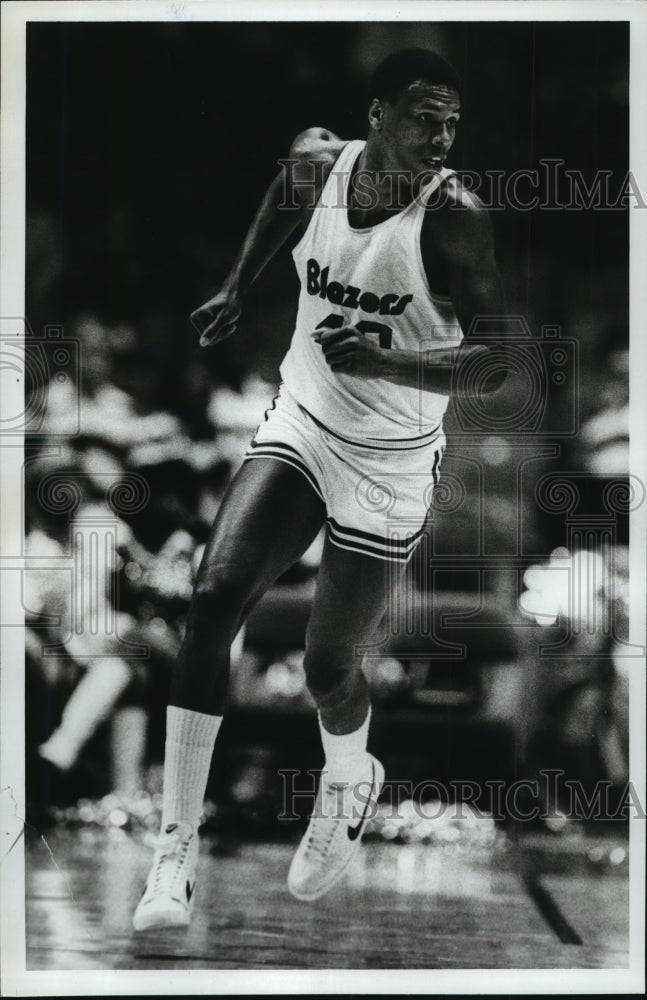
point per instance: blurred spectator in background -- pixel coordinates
(83, 637)
(605, 435)
(90, 640)
(151, 557)
(579, 685)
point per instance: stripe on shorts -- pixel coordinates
(393, 549)
(283, 453)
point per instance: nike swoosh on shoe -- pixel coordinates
(354, 831)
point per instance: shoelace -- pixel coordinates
(323, 828)
(171, 856)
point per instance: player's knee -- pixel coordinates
(336, 690)
(223, 591)
(326, 670)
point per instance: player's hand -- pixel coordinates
(216, 319)
(349, 351)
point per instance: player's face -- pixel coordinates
(418, 129)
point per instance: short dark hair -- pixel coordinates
(401, 68)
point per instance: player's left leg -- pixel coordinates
(353, 593)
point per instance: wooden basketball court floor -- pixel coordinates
(539, 903)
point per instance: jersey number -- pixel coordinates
(365, 326)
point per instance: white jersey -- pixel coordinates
(373, 279)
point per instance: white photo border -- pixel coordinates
(16, 980)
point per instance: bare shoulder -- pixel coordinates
(460, 209)
(459, 196)
(312, 156)
(317, 145)
(458, 219)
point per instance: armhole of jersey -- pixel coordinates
(306, 232)
(417, 237)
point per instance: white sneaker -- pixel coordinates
(334, 832)
(169, 893)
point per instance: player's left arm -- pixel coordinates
(458, 235)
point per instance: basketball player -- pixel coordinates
(388, 271)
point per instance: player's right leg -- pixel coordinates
(267, 520)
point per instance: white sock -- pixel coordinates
(190, 738)
(346, 754)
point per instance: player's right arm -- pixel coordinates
(288, 200)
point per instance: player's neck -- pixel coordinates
(390, 193)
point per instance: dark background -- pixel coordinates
(150, 145)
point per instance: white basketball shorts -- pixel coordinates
(376, 497)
